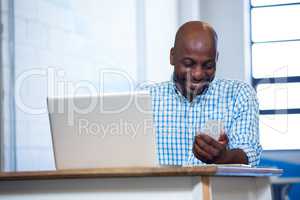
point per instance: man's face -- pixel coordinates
(194, 66)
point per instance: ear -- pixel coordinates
(172, 62)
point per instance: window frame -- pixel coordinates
(274, 80)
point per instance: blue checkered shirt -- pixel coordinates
(177, 120)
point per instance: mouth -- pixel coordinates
(196, 86)
(190, 87)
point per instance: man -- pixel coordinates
(193, 97)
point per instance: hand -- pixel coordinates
(208, 150)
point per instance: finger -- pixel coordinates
(206, 147)
(212, 142)
(201, 154)
(223, 139)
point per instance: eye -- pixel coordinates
(209, 65)
(188, 62)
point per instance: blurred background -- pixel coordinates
(62, 47)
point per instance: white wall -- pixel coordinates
(75, 40)
(229, 20)
(77, 37)
(160, 32)
(189, 10)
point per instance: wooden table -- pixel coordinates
(184, 183)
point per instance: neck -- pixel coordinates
(189, 95)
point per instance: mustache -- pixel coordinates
(188, 78)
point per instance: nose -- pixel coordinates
(197, 74)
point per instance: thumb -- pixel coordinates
(223, 138)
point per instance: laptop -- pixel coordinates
(109, 130)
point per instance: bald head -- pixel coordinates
(196, 31)
(194, 58)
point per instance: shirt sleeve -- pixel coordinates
(244, 131)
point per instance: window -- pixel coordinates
(275, 38)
